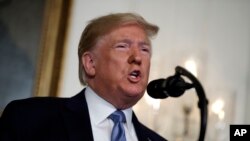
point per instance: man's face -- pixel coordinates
(122, 63)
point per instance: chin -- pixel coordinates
(136, 93)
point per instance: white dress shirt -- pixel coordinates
(99, 110)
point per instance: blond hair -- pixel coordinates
(103, 25)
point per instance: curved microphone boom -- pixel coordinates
(175, 86)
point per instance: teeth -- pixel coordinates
(135, 73)
(133, 76)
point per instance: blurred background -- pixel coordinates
(210, 38)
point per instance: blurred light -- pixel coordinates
(217, 107)
(221, 115)
(191, 66)
(155, 103)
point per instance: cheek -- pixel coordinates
(118, 60)
(147, 64)
(112, 65)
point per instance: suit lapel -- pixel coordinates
(141, 135)
(76, 118)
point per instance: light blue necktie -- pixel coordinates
(118, 132)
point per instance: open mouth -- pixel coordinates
(135, 74)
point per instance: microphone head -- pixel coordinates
(175, 85)
(156, 89)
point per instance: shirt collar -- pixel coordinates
(100, 109)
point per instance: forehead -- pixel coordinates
(134, 31)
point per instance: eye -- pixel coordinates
(146, 49)
(122, 45)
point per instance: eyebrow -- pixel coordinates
(130, 42)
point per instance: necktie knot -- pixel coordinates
(118, 116)
(118, 133)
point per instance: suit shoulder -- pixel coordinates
(31, 115)
(36, 101)
(32, 106)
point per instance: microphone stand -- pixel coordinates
(202, 103)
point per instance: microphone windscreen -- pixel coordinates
(156, 89)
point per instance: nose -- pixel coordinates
(135, 57)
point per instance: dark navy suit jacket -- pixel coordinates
(55, 119)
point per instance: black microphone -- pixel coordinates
(173, 86)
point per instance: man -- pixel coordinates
(114, 61)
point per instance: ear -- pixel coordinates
(88, 63)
